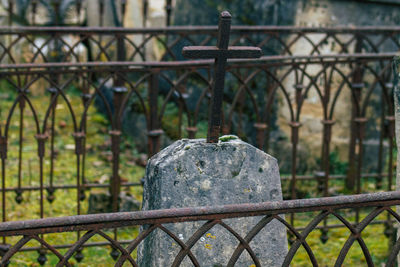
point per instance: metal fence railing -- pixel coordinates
(323, 208)
(34, 135)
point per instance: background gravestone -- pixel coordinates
(195, 173)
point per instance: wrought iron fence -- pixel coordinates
(171, 99)
(212, 217)
(179, 91)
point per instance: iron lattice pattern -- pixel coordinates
(75, 44)
(153, 90)
(376, 204)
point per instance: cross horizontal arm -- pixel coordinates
(204, 52)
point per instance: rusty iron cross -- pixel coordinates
(220, 53)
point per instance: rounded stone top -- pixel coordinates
(227, 145)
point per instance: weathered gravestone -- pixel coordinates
(195, 173)
(220, 171)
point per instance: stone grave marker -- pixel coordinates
(191, 173)
(225, 170)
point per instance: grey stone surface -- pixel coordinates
(195, 173)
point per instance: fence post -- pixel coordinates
(168, 9)
(356, 87)
(153, 123)
(115, 133)
(3, 158)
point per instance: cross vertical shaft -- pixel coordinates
(220, 53)
(214, 118)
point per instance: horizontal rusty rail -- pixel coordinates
(197, 29)
(122, 219)
(63, 186)
(98, 43)
(125, 242)
(265, 61)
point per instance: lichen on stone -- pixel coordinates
(227, 138)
